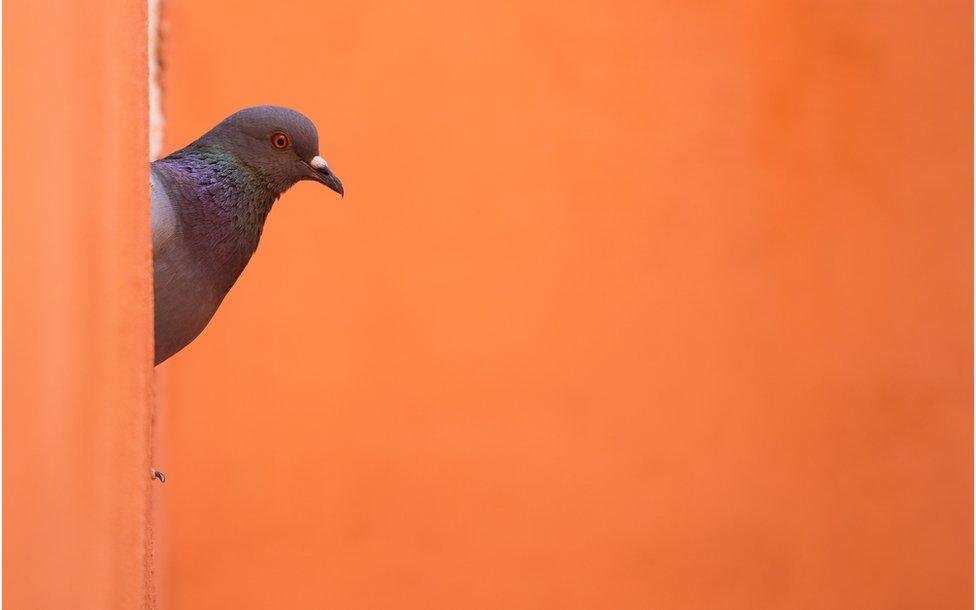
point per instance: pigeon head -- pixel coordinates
(277, 143)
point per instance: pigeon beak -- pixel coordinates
(322, 173)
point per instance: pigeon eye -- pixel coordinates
(279, 141)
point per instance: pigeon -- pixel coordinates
(209, 204)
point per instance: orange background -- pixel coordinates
(77, 305)
(629, 305)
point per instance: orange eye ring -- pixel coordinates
(279, 140)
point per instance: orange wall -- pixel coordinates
(629, 305)
(77, 308)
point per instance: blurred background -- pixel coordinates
(628, 305)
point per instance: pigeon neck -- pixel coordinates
(223, 208)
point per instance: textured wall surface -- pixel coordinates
(77, 309)
(629, 305)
